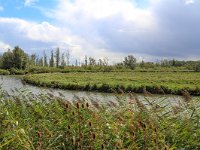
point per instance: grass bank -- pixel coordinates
(40, 122)
(67, 69)
(154, 82)
(4, 72)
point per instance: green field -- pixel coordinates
(154, 82)
(30, 122)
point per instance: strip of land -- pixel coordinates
(154, 82)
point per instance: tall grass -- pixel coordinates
(154, 82)
(4, 72)
(41, 122)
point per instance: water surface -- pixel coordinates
(13, 85)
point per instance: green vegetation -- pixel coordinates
(14, 59)
(40, 122)
(166, 76)
(19, 60)
(154, 82)
(4, 72)
(39, 69)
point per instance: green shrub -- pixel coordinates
(15, 71)
(4, 72)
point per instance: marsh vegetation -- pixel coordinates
(47, 121)
(154, 82)
(31, 121)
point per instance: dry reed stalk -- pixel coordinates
(39, 146)
(103, 147)
(186, 96)
(113, 104)
(146, 93)
(87, 105)
(95, 104)
(39, 133)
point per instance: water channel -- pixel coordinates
(12, 84)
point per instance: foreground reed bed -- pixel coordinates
(42, 122)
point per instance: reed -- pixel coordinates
(49, 122)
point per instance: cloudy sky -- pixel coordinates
(147, 29)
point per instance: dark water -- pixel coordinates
(13, 85)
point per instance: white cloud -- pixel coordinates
(40, 36)
(43, 31)
(18, 31)
(29, 2)
(187, 2)
(4, 47)
(84, 11)
(36, 37)
(89, 20)
(85, 27)
(112, 28)
(163, 29)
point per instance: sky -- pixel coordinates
(150, 30)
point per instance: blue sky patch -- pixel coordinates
(142, 3)
(17, 9)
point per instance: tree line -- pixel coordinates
(18, 59)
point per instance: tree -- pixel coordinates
(16, 58)
(67, 57)
(20, 58)
(105, 61)
(130, 62)
(57, 56)
(142, 64)
(86, 61)
(197, 67)
(165, 63)
(173, 62)
(37, 60)
(51, 61)
(32, 60)
(1, 56)
(92, 61)
(45, 60)
(100, 62)
(7, 60)
(119, 65)
(63, 63)
(40, 62)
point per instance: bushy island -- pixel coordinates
(154, 82)
(41, 122)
